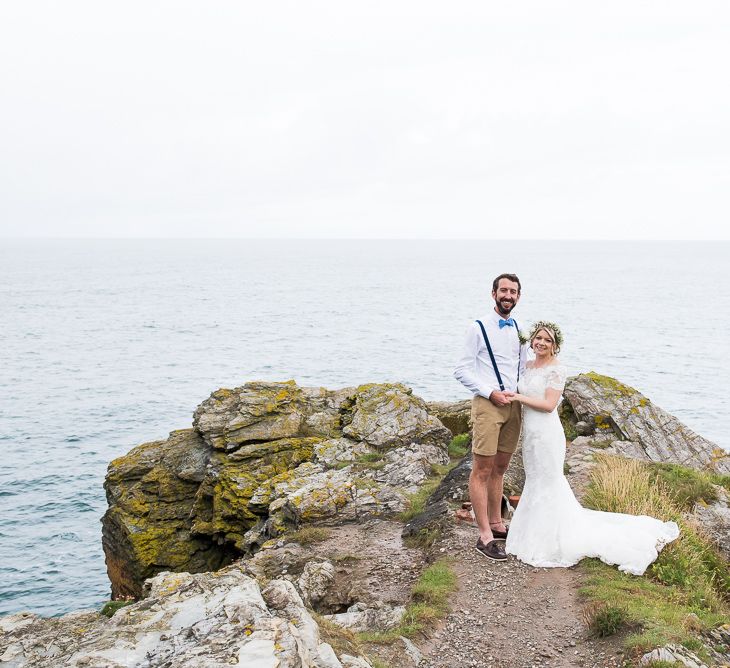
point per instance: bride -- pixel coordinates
(549, 527)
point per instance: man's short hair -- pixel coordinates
(509, 277)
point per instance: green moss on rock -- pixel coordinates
(611, 384)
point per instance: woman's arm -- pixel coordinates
(546, 404)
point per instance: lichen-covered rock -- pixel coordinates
(390, 416)
(336, 495)
(263, 458)
(212, 619)
(454, 415)
(151, 495)
(408, 466)
(621, 413)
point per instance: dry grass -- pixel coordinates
(690, 579)
(309, 535)
(621, 485)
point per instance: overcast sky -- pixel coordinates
(527, 119)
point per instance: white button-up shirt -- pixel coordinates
(475, 370)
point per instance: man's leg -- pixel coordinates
(479, 482)
(495, 489)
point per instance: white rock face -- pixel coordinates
(360, 617)
(208, 620)
(315, 580)
(408, 466)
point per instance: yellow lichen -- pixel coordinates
(611, 384)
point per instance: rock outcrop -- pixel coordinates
(634, 427)
(260, 459)
(714, 518)
(211, 619)
(454, 415)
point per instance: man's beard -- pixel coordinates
(501, 309)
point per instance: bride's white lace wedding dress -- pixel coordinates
(550, 527)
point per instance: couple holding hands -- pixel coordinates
(512, 395)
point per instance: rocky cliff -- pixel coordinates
(632, 426)
(265, 462)
(262, 459)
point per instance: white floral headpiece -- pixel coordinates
(551, 328)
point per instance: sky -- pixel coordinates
(381, 119)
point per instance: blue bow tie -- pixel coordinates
(506, 323)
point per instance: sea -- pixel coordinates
(106, 344)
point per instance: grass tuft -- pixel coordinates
(110, 607)
(310, 535)
(417, 501)
(459, 446)
(604, 620)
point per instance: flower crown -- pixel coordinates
(551, 327)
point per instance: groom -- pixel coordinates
(490, 367)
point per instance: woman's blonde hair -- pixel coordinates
(552, 329)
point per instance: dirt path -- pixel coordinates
(512, 615)
(504, 615)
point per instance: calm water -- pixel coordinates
(107, 344)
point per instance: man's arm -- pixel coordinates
(465, 369)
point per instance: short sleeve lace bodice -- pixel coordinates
(556, 377)
(538, 379)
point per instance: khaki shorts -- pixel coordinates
(494, 427)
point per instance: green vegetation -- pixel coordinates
(605, 620)
(459, 446)
(424, 539)
(417, 501)
(110, 607)
(377, 663)
(309, 535)
(429, 603)
(687, 589)
(568, 420)
(687, 486)
(370, 460)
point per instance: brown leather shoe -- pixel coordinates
(493, 550)
(500, 534)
